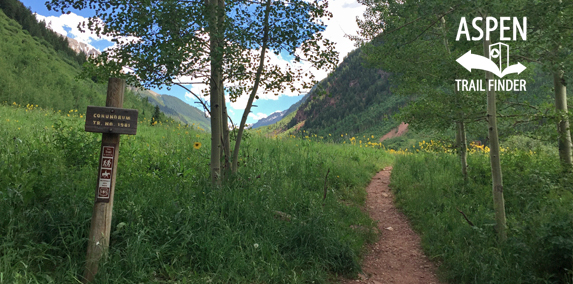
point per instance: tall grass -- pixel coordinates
(265, 225)
(539, 249)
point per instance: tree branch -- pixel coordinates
(255, 87)
(468, 220)
(431, 25)
(527, 58)
(191, 92)
(325, 180)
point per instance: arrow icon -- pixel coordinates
(515, 68)
(473, 61)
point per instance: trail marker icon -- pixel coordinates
(496, 54)
(106, 162)
(494, 64)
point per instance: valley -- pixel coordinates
(399, 163)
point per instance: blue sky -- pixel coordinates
(343, 22)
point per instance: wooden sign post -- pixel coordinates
(112, 121)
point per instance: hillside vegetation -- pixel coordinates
(177, 109)
(271, 224)
(37, 67)
(538, 197)
(33, 73)
(16, 11)
(352, 100)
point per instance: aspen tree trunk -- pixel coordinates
(563, 122)
(255, 87)
(461, 143)
(462, 147)
(215, 83)
(226, 139)
(458, 138)
(222, 147)
(497, 181)
(226, 151)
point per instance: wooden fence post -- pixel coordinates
(98, 242)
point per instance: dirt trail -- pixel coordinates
(397, 256)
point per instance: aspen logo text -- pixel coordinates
(498, 62)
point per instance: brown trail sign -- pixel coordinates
(112, 121)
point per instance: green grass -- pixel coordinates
(538, 198)
(169, 224)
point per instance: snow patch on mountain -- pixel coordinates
(78, 47)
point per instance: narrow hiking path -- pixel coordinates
(397, 256)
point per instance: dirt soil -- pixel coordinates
(397, 256)
(396, 132)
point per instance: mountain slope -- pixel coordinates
(352, 100)
(33, 72)
(81, 47)
(16, 11)
(40, 67)
(272, 118)
(176, 109)
(356, 100)
(276, 116)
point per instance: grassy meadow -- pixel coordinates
(269, 223)
(430, 190)
(266, 225)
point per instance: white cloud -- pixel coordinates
(344, 13)
(197, 90)
(257, 116)
(343, 22)
(71, 21)
(240, 103)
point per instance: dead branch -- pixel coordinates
(191, 92)
(468, 220)
(325, 180)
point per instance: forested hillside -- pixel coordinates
(33, 72)
(62, 93)
(353, 99)
(16, 11)
(357, 99)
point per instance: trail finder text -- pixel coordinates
(498, 62)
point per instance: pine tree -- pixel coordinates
(156, 116)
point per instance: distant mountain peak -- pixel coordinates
(74, 44)
(278, 115)
(78, 47)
